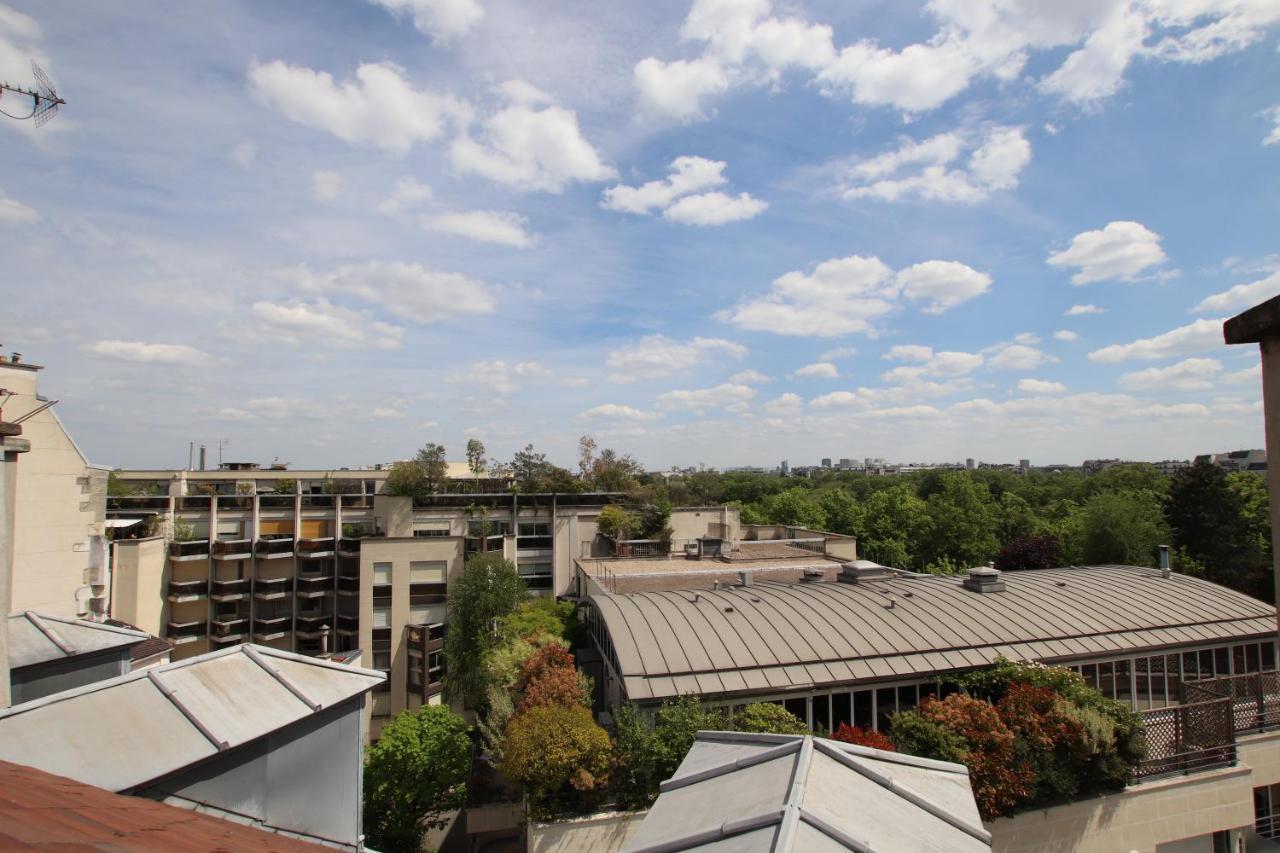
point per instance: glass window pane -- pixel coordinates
(841, 710)
(906, 697)
(928, 690)
(886, 704)
(1251, 658)
(1174, 678)
(1142, 691)
(1206, 663)
(382, 617)
(1190, 666)
(1221, 662)
(1159, 696)
(1089, 672)
(381, 574)
(1237, 660)
(799, 707)
(1106, 682)
(822, 714)
(862, 708)
(1124, 690)
(1268, 657)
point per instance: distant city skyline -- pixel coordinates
(330, 231)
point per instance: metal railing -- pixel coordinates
(320, 547)
(226, 502)
(158, 503)
(232, 586)
(1254, 697)
(232, 548)
(275, 501)
(180, 589)
(640, 547)
(193, 549)
(1184, 739)
(195, 503)
(274, 547)
(356, 501)
(318, 501)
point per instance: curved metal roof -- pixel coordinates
(776, 636)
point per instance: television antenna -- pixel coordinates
(44, 98)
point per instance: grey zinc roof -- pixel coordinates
(751, 792)
(776, 636)
(124, 732)
(34, 638)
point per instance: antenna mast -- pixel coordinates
(44, 98)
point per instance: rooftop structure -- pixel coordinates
(760, 792)
(48, 654)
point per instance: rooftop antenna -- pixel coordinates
(44, 98)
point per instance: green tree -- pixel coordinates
(533, 473)
(768, 718)
(962, 522)
(649, 749)
(286, 487)
(796, 506)
(611, 472)
(406, 479)
(1121, 527)
(894, 522)
(616, 523)
(488, 589)
(542, 616)
(475, 457)
(844, 513)
(1207, 518)
(435, 468)
(552, 751)
(413, 775)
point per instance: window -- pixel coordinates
(862, 709)
(821, 714)
(886, 704)
(1106, 680)
(228, 530)
(426, 614)
(1124, 687)
(487, 527)
(423, 533)
(799, 707)
(535, 528)
(381, 574)
(382, 660)
(841, 710)
(382, 617)
(1266, 811)
(427, 571)
(533, 570)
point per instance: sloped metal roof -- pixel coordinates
(124, 732)
(35, 638)
(752, 792)
(777, 636)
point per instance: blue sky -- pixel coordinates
(725, 232)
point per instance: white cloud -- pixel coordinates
(1247, 376)
(1273, 113)
(942, 284)
(908, 352)
(817, 370)
(1121, 251)
(1066, 335)
(678, 88)
(15, 212)
(385, 413)
(502, 377)
(439, 19)
(682, 198)
(321, 324)
(750, 377)
(1240, 296)
(484, 226)
(1019, 357)
(1028, 338)
(727, 395)
(1079, 310)
(243, 154)
(1194, 337)
(657, 356)
(407, 290)
(1041, 386)
(844, 295)
(837, 353)
(327, 185)
(406, 193)
(530, 144)
(616, 412)
(836, 399)
(1192, 374)
(924, 362)
(141, 352)
(378, 108)
(783, 405)
(925, 169)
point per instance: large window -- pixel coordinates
(535, 528)
(428, 571)
(1266, 811)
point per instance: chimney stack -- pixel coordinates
(202, 450)
(1164, 561)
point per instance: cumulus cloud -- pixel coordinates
(1240, 296)
(406, 193)
(1192, 374)
(908, 352)
(483, 226)
(783, 405)
(684, 196)
(749, 44)
(378, 108)
(1247, 376)
(657, 356)
(141, 352)
(531, 144)
(727, 395)
(817, 370)
(500, 376)
(835, 399)
(1080, 310)
(439, 19)
(932, 169)
(410, 291)
(322, 324)
(15, 212)
(1120, 251)
(326, 185)
(1018, 357)
(1194, 337)
(837, 353)
(1041, 386)
(1066, 335)
(616, 412)
(925, 362)
(750, 377)
(1273, 114)
(844, 295)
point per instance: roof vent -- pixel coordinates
(864, 571)
(812, 576)
(744, 578)
(1164, 561)
(984, 579)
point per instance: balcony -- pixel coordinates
(193, 503)
(348, 585)
(230, 590)
(234, 502)
(318, 501)
(315, 585)
(483, 544)
(275, 501)
(312, 625)
(271, 627)
(348, 624)
(185, 632)
(311, 549)
(196, 549)
(270, 589)
(188, 590)
(274, 548)
(139, 503)
(534, 543)
(229, 630)
(356, 501)
(232, 549)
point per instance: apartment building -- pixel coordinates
(325, 561)
(59, 543)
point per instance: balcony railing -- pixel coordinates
(182, 632)
(271, 587)
(275, 501)
(229, 590)
(348, 584)
(534, 543)
(348, 624)
(271, 625)
(1255, 698)
(232, 549)
(1187, 739)
(318, 501)
(274, 548)
(313, 625)
(153, 503)
(230, 502)
(356, 501)
(196, 549)
(179, 590)
(640, 548)
(316, 548)
(315, 584)
(192, 503)
(229, 629)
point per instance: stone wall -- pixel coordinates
(602, 833)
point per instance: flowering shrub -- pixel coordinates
(1048, 740)
(1000, 783)
(768, 718)
(864, 737)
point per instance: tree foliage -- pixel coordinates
(616, 523)
(413, 774)
(475, 456)
(551, 752)
(488, 589)
(768, 718)
(650, 749)
(999, 783)
(533, 473)
(872, 738)
(1212, 522)
(1030, 552)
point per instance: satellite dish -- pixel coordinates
(44, 98)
